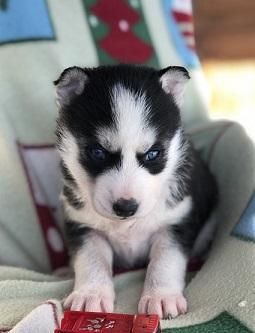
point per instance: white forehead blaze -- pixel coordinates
(131, 113)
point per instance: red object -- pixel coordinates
(77, 322)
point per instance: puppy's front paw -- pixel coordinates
(165, 305)
(90, 299)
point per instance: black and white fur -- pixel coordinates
(121, 113)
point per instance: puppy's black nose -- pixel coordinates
(124, 207)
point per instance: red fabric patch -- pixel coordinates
(182, 17)
(185, 23)
(121, 43)
(36, 159)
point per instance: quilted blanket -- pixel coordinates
(38, 39)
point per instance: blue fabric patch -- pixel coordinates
(188, 56)
(22, 20)
(245, 228)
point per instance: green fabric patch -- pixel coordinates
(224, 323)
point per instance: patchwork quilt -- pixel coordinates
(38, 39)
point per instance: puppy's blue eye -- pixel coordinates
(151, 155)
(98, 154)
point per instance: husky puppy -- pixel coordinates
(135, 191)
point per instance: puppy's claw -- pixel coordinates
(165, 306)
(90, 300)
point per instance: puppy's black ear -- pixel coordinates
(70, 84)
(173, 80)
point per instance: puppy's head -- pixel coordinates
(119, 134)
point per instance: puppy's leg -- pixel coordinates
(93, 287)
(205, 238)
(165, 279)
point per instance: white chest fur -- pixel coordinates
(131, 243)
(131, 239)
